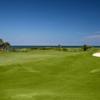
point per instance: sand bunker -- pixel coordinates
(96, 54)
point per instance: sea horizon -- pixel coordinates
(50, 46)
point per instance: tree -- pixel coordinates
(86, 47)
(6, 46)
(59, 47)
(1, 42)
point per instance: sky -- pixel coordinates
(50, 22)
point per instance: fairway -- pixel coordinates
(49, 75)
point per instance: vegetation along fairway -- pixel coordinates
(49, 75)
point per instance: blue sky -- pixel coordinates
(50, 22)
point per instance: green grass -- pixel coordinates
(49, 75)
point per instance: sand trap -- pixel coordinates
(96, 54)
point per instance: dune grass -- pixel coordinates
(49, 75)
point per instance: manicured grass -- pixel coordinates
(49, 75)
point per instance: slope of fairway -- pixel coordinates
(49, 75)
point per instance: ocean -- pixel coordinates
(27, 46)
(21, 46)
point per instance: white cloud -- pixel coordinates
(93, 37)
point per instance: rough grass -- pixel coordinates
(49, 75)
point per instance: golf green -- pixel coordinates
(49, 75)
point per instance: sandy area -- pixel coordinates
(96, 54)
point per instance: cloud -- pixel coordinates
(93, 37)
